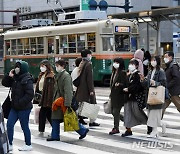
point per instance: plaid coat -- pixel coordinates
(3, 135)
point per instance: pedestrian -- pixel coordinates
(63, 88)
(85, 91)
(156, 77)
(74, 75)
(139, 56)
(117, 83)
(4, 146)
(21, 83)
(172, 71)
(133, 115)
(45, 87)
(146, 62)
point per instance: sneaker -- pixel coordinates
(114, 131)
(41, 134)
(149, 130)
(10, 147)
(154, 134)
(94, 124)
(83, 136)
(26, 148)
(127, 133)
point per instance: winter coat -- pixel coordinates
(134, 86)
(48, 88)
(63, 88)
(173, 78)
(160, 80)
(22, 91)
(117, 94)
(3, 135)
(86, 84)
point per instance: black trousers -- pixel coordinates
(44, 113)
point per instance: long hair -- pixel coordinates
(158, 60)
(48, 65)
(121, 64)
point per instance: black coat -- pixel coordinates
(173, 79)
(22, 91)
(118, 97)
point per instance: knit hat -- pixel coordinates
(24, 67)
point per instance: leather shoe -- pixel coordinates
(83, 136)
(94, 124)
(127, 133)
(114, 131)
(52, 139)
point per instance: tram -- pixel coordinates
(106, 39)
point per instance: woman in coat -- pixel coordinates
(22, 93)
(117, 83)
(63, 88)
(156, 77)
(133, 114)
(45, 86)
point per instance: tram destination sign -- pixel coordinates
(122, 29)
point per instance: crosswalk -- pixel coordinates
(99, 141)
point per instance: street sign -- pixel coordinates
(84, 4)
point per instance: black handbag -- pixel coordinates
(141, 100)
(6, 106)
(37, 97)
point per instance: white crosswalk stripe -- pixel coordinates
(105, 143)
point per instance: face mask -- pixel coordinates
(17, 70)
(43, 69)
(90, 57)
(166, 60)
(131, 68)
(116, 65)
(59, 69)
(153, 63)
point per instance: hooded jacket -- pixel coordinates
(139, 55)
(21, 84)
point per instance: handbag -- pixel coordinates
(37, 97)
(6, 106)
(74, 104)
(156, 95)
(107, 107)
(36, 114)
(141, 99)
(88, 110)
(71, 122)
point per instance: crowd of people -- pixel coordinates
(129, 88)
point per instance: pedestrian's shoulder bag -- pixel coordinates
(76, 82)
(6, 106)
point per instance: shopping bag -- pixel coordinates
(6, 106)
(36, 114)
(71, 122)
(156, 95)
(107, 107)
(88, 110)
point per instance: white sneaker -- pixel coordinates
(10, 147)
(163, 126)
(153, 134)
(26, 148)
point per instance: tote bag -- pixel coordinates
(156, 95)
(107, 107)
(88, 110)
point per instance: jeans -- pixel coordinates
(55, 134)
(23, 117)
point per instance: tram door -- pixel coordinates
(50, 44)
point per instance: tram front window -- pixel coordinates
(107, 43)
(122, 43)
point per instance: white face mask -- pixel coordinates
(153, 63)
(116, 65)
(90, 57)
(43, 69)
(131, 68)
(17, 70)
(59, 68)
(166, 60)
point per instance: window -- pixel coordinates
(7, 47)
(40, 45)
(51, 45)
(63, 44)
(20, 46)
(33, 45)
(72, 43)
(57, 44)
(80, 42)
(107, 43)
(26, 46)
(13, 47)
(122, 42)
(91, 42)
